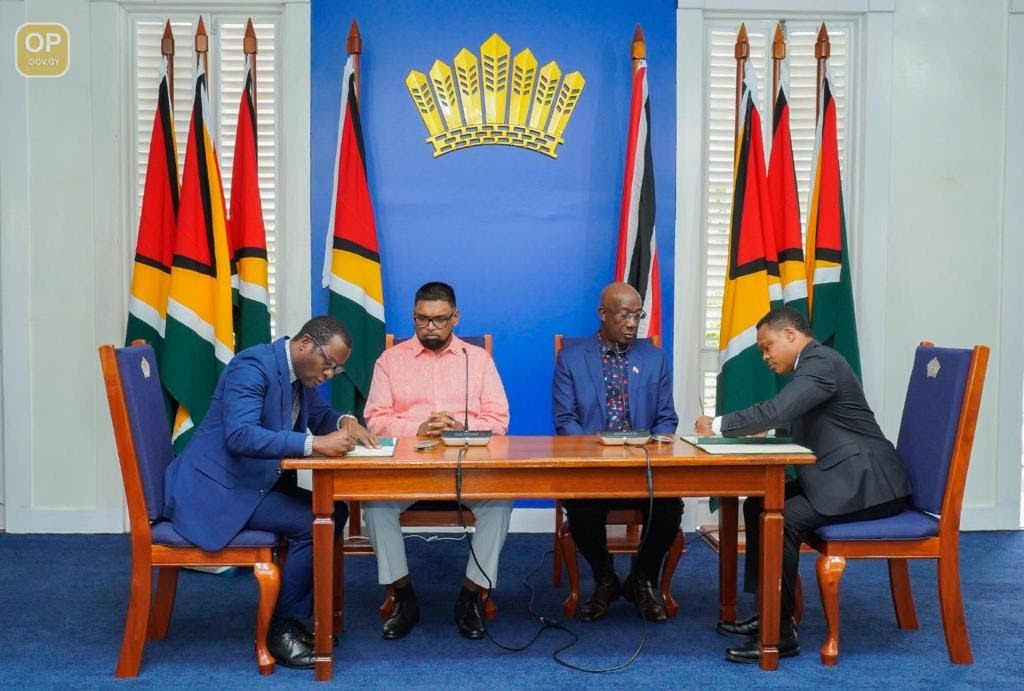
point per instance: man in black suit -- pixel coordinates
(858, 475)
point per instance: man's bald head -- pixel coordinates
(620, 311)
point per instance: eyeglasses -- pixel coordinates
(624, 316)
(422, 320)
(329, 363)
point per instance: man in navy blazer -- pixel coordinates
(612, 381)
(229, 477)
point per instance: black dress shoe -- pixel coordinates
(740, 629)
(607, 589)
(287, 643)
(401, 621)
(637, 589)
(789, 646)
(467, 616)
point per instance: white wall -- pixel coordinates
(947, 234)
(948, 217)
(66, 244)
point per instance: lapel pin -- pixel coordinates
(636, 370)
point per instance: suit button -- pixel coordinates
(262, 492)
(279, 471)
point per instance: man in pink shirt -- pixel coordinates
(419, 388)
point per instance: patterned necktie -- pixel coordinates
(296, 388)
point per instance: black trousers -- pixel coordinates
(800, 521)
(288, 511)
(587, 522)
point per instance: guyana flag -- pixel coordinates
(151, 274)
(352, 258)
(752, 275)
(246, 230)
(785, 206)
(830, 288)
(199, 340)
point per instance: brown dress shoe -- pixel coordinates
(637, 589)
(607, 589)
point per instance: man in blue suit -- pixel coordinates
(614, 382)
(229, 477)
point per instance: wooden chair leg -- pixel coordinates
(339, 585)
(572, 570)
(556, 561)
(830, 573)
(136, 619)
(952, 607)
(669, 570)
(163, 605)
(902, 596)
(268, 578)
(798, 599)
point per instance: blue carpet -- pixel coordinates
(63, 599)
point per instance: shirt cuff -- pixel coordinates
(716, 426)
(307, 447)
(341, 418)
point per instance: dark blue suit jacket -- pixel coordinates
(578, 403)
(213, 487)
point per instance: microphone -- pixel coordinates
(466, 437)
(465, 411)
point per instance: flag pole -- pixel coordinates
(249, 48)
(202, 51)
(778, 55)
(822, 52)
(742, 54)
(167, 50)
(354, 47)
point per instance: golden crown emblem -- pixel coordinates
(529, 117)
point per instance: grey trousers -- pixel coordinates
(492, 517)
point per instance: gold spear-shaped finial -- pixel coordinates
(778, 55)
(742, 54)
(354, 47)
(639, 47)
(203, 50)
(822, 52)
(167, 50)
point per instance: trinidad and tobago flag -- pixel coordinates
(199, 340)
(246, 231)
(154, 250)
(752, 276)
(830, 287)
(636, 261)
(352, 258)
(785, 205)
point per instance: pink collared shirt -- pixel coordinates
(411, 382)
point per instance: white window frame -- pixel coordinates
(867, 211)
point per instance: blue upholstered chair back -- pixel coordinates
(147, 416)
(931, 414)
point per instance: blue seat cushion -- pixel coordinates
(165, 534)
(909, 525)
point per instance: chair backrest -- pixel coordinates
(937, 429)
(486, 341)
(561, 340)
(141, 430)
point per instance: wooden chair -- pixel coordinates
(422, 514)
(143, 438)
(935, 440)
(626, 543)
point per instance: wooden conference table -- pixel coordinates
(556, 467)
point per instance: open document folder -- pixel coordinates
(387, 448)
(725, 445)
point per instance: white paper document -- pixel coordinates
(751, 445)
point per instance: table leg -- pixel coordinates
(323, 571)
(727, 548)
(770, 588)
